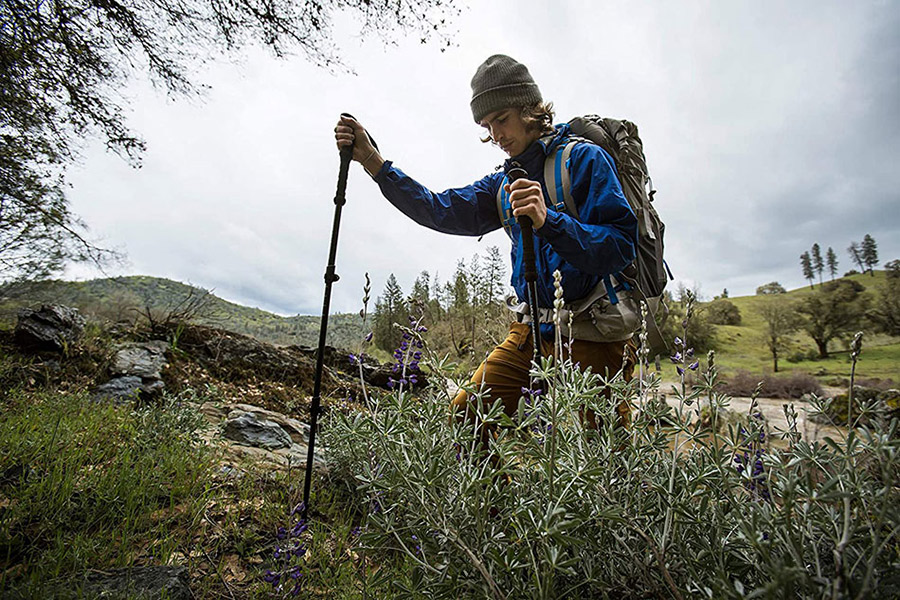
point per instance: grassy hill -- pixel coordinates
(125, 298)
(743, 346)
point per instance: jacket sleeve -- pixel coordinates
(469, 210)
(602, 240)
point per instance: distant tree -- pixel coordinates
(885, 315)
(781, 321)
(390, 308)
(806, 265)
(724, 292)
(870, 253)
(773, 287)
(460, 297)
(64, 69)
(833, 311)
(494, 273)
(723, 312)
(421, 290)
(818, 265)
(856, 254)
(832, 261)
(892, 268)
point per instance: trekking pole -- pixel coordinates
(346, 154)
(525, 224)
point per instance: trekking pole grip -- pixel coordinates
(526, 226)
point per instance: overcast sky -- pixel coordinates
(767, 126)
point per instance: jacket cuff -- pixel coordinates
(381, 175)
(552, 227)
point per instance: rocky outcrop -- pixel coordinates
(249, 429)
(136, 372)
(52, 327)
(248, 433)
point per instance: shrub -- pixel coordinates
(795, 385)
(550, 509)
(770, 288)
(723, 312)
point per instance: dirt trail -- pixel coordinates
(772, 409)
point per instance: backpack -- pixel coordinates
(609, 318)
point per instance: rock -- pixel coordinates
(136, 371)
(128, 388)
(298, 430)
(137, 583)
(51, 327)
(144, 583)
(144, 360)
(248, 429)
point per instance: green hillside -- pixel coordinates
(122, 299)
(743, 346)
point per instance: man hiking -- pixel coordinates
(587, 249)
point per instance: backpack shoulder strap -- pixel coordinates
(558, 180)
(504, 210)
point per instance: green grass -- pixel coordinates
(93, 486)
(743, 347)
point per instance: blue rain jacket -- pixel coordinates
(601, 241)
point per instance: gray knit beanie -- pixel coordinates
(501, 82)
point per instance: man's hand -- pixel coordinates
(526, 199)
(348, 132)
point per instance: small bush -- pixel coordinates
(802, 356)
(723, 312)
(743, 383)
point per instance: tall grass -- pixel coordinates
(85, 484)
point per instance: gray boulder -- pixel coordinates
(249, 429)
(52, 327)
(127, 388)
(144, 359)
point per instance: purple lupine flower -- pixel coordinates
(676, 358)
(391, 383)
(678, 341)
(398, 354)
(300, 508)
(680, 370)
(298, 550)
(271, 577)
(281, 533)
(295, 572)
(277, 551)
(693, 366)
(369, 336)
(299, 528)
(417, 355)
(296, 590)
(413, 379)
(689, 353)
(422, 329)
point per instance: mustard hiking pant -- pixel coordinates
(505, 371)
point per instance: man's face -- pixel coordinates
(508, 130)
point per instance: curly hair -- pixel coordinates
(537, 116)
